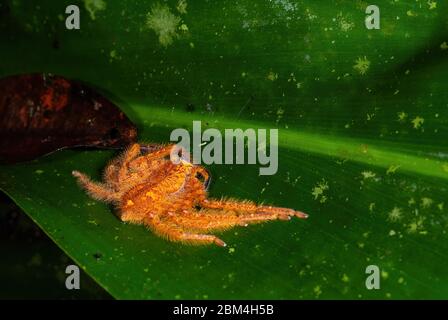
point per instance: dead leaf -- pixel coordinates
(41, 113)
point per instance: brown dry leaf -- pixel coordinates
(41, 113)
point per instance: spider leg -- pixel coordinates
(150, 147)
(250, 208)
(115, 171)
(207, 220)
(130, 154)
(110, 173)
(96, 190)
(173, 232)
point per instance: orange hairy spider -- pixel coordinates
(171, 199)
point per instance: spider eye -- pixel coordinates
(205, 181)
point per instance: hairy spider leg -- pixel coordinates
(207, 220)
(96, 190)
(148, 148)
(130, 154)
(118, 173)
(115, 170)
(240, 207)
(110, 176)
(173, 232)
(255, 212)
(250, 208)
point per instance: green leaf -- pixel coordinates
(362, 119)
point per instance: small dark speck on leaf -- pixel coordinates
(55, 44)
(190, 107)
(97, 255)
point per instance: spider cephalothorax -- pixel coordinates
(170, 197)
